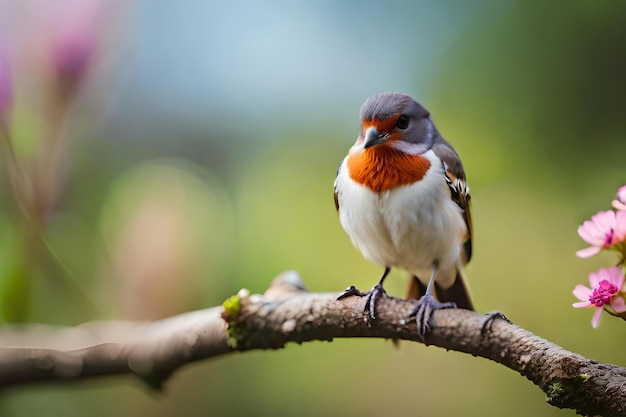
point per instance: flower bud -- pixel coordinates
(6, 88)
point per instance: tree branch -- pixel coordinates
(289, 313)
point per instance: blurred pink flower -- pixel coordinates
(69, 38)
(73, 45)
(605, 229)
(620, 202)
(6, 89)
(606, 289)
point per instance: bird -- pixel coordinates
(403, 199)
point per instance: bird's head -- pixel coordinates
(395, 120)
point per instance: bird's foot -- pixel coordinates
(491, 317)
(423, 313)
(372, 295)
(351, 291)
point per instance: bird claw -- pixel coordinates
(491, 317)
(423, 313)
(372, 295)
(351, 291)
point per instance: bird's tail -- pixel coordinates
(416, 289)
(458, 292)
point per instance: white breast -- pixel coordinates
(407, 227)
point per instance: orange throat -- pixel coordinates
(381, 168)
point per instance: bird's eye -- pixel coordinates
(402, 122)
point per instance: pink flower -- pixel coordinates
(6, 90)
(69, 34)
(74, 43)
(620, 203)
(605, 229)
(606, 289)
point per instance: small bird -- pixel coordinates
(402, 197)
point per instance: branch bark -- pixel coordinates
(285, 313)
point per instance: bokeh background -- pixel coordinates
(166, 154)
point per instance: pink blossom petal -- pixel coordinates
(614, 275)
(618, 205)
(582, 304)
(604, 219)
(590, 233)
(582, 293)
(588, 252)
(594, 225)
(595, 230)
(619, 305)
(619, 282)
(596, 277)
(620, 226)
(621, 193)
(595, 320)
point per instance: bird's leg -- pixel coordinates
(372, 295)
(375, 293)
(427, 304)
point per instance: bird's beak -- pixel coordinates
(373, 137)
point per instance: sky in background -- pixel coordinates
(311, 63)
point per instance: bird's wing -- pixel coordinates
(459, 191)
(335, 187)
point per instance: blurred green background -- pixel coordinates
(172, 153)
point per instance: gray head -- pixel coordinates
(396, 120)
